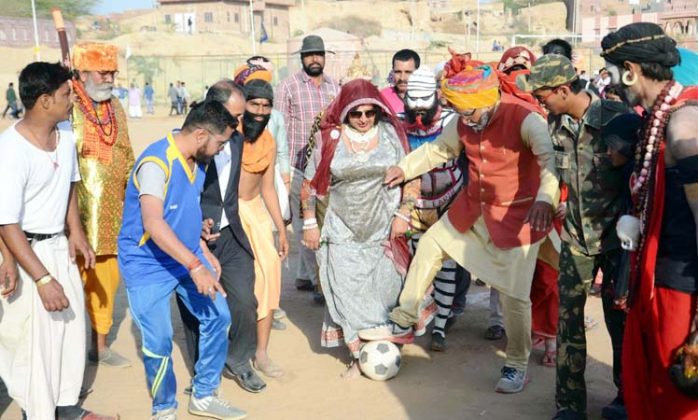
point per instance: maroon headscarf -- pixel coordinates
(353, 94)
(507, 81)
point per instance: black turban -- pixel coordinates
(621, 133)
(640, 42)
(257, 88)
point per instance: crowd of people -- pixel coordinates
(520, 173)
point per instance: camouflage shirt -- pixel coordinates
(595, 186)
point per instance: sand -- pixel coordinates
(457, 384)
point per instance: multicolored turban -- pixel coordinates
(475, 86)
(91, 56)
(253, 70)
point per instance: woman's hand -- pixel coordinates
(283, 245)
(311, 238)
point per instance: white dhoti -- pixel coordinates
(42, 354)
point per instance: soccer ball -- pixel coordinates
(379, 360)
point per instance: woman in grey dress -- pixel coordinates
(359, 252)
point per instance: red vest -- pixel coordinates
(504, 177)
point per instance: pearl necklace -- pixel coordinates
(655, 131)
(361, 138)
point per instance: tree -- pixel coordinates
(70, 8)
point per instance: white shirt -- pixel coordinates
(222, 160)
(35, 193)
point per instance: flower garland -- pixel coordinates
(647, 152)
(88, 110)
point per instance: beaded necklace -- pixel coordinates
(88, 110)
(647, 152)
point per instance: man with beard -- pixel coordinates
(105, 158)
(405, 62)
(161, 252)
(577, 122)
(497, 224)
(258, 201)
(42, 327)
(660, 344)
(301, 97)
(424, 120)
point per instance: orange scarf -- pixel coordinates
(257, 156)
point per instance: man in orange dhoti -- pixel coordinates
(105, 159)
(258, 201)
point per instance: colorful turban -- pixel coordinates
(475, 86)
(95, 57)
(247, 72)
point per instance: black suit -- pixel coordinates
(237, 265)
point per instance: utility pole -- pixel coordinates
(37, 51)
(252, 36)
(477, 36)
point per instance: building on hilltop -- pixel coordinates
(19, 32)
(271, 17)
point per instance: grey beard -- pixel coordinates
(98, 93)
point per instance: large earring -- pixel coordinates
(627, 81)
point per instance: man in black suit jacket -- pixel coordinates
(228, 242)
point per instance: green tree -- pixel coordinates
(70, 8)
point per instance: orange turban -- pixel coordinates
(245, 73)
(95, 57)
(475, 86)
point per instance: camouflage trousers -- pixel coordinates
(576, 275)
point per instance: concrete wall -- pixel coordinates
(19, 32)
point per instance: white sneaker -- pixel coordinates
(382, 332)
(214, 407)
(511, 381)
(169, 414)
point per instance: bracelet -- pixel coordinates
(310, 227)
(42, 277)
(402, 216)
(44, 280)
(310, 221)
(194, 264)
(197, 268)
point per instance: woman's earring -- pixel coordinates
(627, 81)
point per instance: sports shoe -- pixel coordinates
(381, 332)
(401, 335)
(110, 358)
(278, 325)
(615, 410)
(495, 332)
(74, 412)
(247, 379)
(214, 407)
(279, 314)
(511, 381)
(169, 414)
(438, 342)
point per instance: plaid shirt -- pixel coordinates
(300, 100)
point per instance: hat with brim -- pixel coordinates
(549, 71)
(313, 43)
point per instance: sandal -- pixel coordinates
(549, 358)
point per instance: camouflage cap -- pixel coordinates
(551, 70)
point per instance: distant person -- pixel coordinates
(558, 46)
(190, 25)
(184, 93)
(405, 62)
(134, 102)
(11, 97)
(174, 99)
(301, 97)
(148, 94)
(584, 75)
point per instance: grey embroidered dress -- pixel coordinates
(360, 282)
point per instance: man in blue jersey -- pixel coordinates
(160, 252)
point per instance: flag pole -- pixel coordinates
(254, 45)
(37, 51)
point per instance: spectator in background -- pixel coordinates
(405, 62)
(11, 97)
(148, 94)
(184, 93)
(558, 46)
(174, 99)
(134, 102)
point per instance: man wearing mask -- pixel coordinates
(105, 159)
(301, 97)
(405, 62)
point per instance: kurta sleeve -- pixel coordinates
(430, 155)
(535, 134)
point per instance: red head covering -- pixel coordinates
(507, 81)
(353, 94)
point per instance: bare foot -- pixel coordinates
(352, 371)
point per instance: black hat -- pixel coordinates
(313, 43)
(622, 132)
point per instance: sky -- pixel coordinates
(111, 6)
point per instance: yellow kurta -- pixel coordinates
(104, 178)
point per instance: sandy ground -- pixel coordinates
(457, 384)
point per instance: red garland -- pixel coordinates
(88, 110)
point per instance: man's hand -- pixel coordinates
(311, 238)
(206, 229)
(394, 177)
(398, 228)
(283, 245)
(8, 278)
(205, 283)
(77, 243)
(52, 296)
(540, 216)
(212, 260)
(561, 211)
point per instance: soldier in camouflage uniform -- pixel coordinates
(577, 119)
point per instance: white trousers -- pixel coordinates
(42, 354)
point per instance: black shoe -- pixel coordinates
(568, 414)
(438, 342)
(318, 297)
(495, 332)
(449, 323)
(304, 285)
(615, 410)
(248, 380)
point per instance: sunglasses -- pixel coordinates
(358, 114)
(542, 99)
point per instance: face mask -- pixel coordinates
(252, 128)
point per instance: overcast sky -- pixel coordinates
(111, 6)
